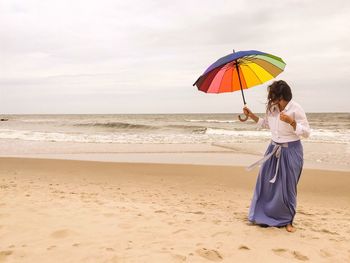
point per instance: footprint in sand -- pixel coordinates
(279, 251)
(324, 253)
(197, 213)
(109, 214)
(306, 213)
(4, 254)
(226, 233)
(61, 233)
(328, 232)
(299, 256)
(180, 230)
(324, 231)
(114, 259)
(296, 254)
(159, 211)
(51, 247)
(179, 258)
(243, 247)
(209, 254)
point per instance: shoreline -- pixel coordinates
(325, 156)
(204, 159)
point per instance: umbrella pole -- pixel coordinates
(240, 85)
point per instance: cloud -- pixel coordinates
(92, 51)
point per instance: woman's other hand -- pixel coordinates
(286, 118)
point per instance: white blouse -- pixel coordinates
(281, 131)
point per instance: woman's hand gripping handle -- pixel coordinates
(246, 113)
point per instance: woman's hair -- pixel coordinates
(278, 90)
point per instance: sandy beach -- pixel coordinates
(86, 211)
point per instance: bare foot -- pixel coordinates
(290, 228)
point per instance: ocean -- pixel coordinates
(160, 128)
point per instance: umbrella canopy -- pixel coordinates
(238, 71)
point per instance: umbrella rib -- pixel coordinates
(248, 58)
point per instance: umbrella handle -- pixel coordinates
(243, 119)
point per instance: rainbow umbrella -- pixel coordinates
(240, 70)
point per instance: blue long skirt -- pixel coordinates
(274, 204)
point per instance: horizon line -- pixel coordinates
(160, 113)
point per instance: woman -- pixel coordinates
(274, 200)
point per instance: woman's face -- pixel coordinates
(275, 102)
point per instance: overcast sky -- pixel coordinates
(111, 56)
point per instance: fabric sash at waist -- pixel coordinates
(276, 151)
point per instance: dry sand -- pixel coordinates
(84, 211)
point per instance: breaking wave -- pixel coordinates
(118, 125)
